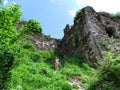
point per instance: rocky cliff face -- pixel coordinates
(43, 42)
(91, 34)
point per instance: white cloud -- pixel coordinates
(5, 2)
(73, 12)
(80, 1)
(111, 6)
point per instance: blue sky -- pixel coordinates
(55, 14)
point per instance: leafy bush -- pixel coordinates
(6, 62)
(79, 13)
(9, 17)
(109, 74)
(33, 26)
(117, 15)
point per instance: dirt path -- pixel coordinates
(75, 81)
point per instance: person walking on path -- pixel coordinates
(57, 64)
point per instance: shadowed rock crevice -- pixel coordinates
(110, 31)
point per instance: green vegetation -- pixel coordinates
(109, 74)
(34, 70)
(117, 15)
(9, 17)
(0, 2)
(108, 42)
(79, 14)
(33, 26)
(23, 67)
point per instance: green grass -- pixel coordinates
(23, 67)
(34, 70)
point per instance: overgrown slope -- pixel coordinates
(24, 67)
(34, 70)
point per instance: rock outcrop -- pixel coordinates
(91, 34)
(43, 42)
